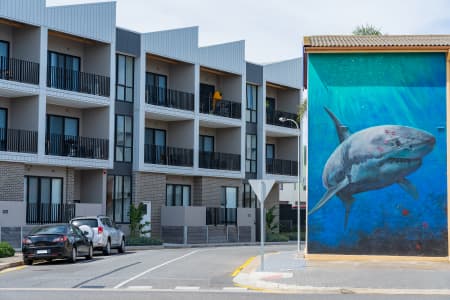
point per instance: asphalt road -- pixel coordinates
(202, 273)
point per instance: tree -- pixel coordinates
(367, 30)
(136, 214)
(302, 108)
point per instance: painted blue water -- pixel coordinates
(365, 90)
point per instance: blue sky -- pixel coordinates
(273, 30)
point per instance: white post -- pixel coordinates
(263, 190)
(298, 189)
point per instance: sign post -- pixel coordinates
(262, 189)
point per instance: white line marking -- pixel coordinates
(187, 288)
(235, 289)
(154, 268)
(140, 287)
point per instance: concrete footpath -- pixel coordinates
(286, 272)
(11, 262)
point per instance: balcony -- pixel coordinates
(77, 146)
(281, 167)
(16, 140)
(14, 69)
(219, 161)
(77, 81)
(169, 98)
(223, 108)
(46, 213)
(273, 118)
(221, 216)
(164, 155)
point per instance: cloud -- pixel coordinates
(273, 30)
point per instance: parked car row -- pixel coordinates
(80, 237)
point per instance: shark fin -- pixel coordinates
(408, 187)
(330, 193)
(347, 200)
(342, 131)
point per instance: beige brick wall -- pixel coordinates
(210, 191)
(11, 181)
(151, 187)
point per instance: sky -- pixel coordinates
(274, 29)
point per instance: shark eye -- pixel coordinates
(397, 143)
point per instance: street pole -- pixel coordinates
(283, 119)
(263, 190)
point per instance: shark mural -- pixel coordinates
(371, 159)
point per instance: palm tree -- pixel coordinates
(366, 30)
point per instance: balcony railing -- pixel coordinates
(223, 108)
(16, 140)
(281, 167)
(19, 70)
(273, 118)
(77, 146)
(47, 213)
(221, 216)
(169, 98)
(219, 161)
(163, 155)
(77, 81)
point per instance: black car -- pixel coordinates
(56, 241)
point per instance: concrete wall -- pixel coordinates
(97, 59)
(287, 148)
(22, 113)
(209, 190)
(182, 77)
(228, 140)
(66, 46)
(93, 186)
(12, 213)
(183, 216)
(288, 100)
(88, 209)
(96, 122)
(26, 44)
(181, 134)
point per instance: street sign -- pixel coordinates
(262, 188)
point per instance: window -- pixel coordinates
(125, 78)
(4, 57)
(64, 71)
(156, 88)
(229, 204)
(118, 198)
(250, 154)
(44, 198)
(3, 128)
(252, 98)
(155, 146)
(178, 195)
(62, 135)
(124, 138)
(270, 105)
(270, 151)
(249, 196)
(206, 143)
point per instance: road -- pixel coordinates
(202, 273)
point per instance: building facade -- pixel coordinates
(95, 118)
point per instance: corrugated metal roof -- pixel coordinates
(377, 41)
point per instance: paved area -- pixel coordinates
(288, 272)
(7, 262)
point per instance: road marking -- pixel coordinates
(140, 287)
(235, 289)
(154, 268)
(241, 267)
(12, 269)
(187, 288)
(105, 274)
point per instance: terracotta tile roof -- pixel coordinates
(377, 41)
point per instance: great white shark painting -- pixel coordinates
(372, 159)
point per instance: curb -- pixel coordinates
(11, 265)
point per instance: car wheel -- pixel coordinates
(107, 249)
(122, 246)
(90, 253)
(73, 256)
(28, 262)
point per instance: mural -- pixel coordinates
(377, 182)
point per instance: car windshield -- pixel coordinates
(89, 222)
(51, 229)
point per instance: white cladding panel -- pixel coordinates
(94, 21)
(181, 44)
(288, 73)
(27, 11)
(226, 57)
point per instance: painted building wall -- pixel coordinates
(383, 189)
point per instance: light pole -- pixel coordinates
(283, 119)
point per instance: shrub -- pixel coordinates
(143, 241)
(6, 250)
(276, 237)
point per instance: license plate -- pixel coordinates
(41, 251)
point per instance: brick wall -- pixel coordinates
(210, 191)
(11, 181)
(151, 187)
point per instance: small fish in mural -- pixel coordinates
(371, 159)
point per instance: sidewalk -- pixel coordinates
(284, 272)
(10, 262)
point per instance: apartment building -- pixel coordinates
(94, 118)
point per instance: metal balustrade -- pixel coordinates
(169, 98)
(77, 146)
